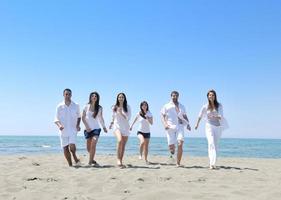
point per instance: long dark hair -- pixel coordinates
(97, 103)
(142, 113)
(117, 104)
(216, 103)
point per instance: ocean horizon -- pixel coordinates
(228, 147)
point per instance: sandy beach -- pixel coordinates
(49, 177)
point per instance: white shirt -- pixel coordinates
(120, 122)
(94, 123)
(144, 125)
(206, 113)
(67, 116)
(171, 114)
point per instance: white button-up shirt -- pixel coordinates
(68, 116)
(171, 114)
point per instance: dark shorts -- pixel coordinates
(95, 132)
(145, 135)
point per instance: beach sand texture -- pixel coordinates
(49, 177)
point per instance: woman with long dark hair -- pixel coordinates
(213, 112)
(120, 124)
(93, 120)
(145, 119)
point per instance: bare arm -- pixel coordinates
(197, 123)
(150, 120)
(60, 126)
(85, 122)
(136, 118)
(78, 124)
(101, 119)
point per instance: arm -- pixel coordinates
(112, 121)
(78, 119)
(150, 120)
(57, 121)
(197, 123)
(164, 121)
(136, 118)
(85, 122)
(201, 114)
(102, 121)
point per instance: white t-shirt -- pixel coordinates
(94, 123)
(171, 114)
(144, 125)
(120, 122)
(67, 116)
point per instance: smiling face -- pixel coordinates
(211, 96)
(144, 107)
(175, 97)
(67, 95)
(121, 98)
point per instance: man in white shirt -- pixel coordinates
(174, 118)
(68, 121)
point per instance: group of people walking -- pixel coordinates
(173, 117)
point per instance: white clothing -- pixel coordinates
(213, 134)
(66, 140)
(94, 123)
(121, 121)
(171, 114)
(176, 131)
(144, 125)
(67, 116)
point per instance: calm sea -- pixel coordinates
(251, 148)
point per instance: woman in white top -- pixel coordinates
(145, 119)
(93, 120)
(120, 123)
(213, 112)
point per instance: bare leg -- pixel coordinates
(140, 136)
(73, 152)
(67, 155)
(124, 141)
(118, 146)
(146, 143)
(89, 144)
(180, 150)
(93, 149)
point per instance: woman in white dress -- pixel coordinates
(93, 120)
(120, 124)
(213, 112)
(145, 119)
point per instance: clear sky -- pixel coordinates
(145, 49)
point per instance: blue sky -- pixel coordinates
(145, 49)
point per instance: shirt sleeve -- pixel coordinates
(220, 111)
(128, 114)
(202, 112)
(148, 114)
(163, 111)
(57, 115)
(78, 111)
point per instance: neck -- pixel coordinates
(67, 102)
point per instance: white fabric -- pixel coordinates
(67, 116)
(170, 113)
(66, 140)
(144, 125)
(176, 130)
(94, 123)
(213, 134)
(204, 113)
(120, 123)
(176, 136)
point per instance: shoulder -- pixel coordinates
(60, 105)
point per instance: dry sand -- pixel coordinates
(49, 177)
